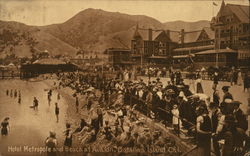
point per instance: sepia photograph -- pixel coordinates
(124, 77)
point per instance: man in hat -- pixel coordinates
(204, 129)
(227, 95)
(185, 110)
(172, 77)
(228, 136)
(216, 79)
(241, 121)
(215, 118)
(216, 97)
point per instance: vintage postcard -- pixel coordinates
(124, 77)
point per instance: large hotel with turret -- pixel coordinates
(225, 43)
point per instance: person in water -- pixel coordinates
(5, 128)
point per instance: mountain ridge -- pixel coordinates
(94, 30)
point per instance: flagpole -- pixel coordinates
(213, 11)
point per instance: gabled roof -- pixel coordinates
(137, 34)
(174, 36)
(241, 11)
(144, 34)
(191, 36)
(210, 32)
(156, 34)
(161, 36)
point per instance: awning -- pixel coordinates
(49, 61)
(183, 56)
(216, 51)
(158, 57)
(194, 48)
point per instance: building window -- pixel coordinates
(163, 51)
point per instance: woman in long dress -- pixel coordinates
(5, 126)
(239, 79)
(199, 88)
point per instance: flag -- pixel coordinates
(215, 4)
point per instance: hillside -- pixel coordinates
(95, 29)
(187, 26)
(23, 40)
(91, 29)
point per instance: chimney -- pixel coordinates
(168, 33)
(181, 36)
(150, 34)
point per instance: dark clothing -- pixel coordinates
(216, 99)
(35, 102)
(57, 110)
(215, 121)
(186, 112)
(216, 79)
(4, 130)
(227, 95)
(246, 82)
(199, 88)
(107, 132)
(204, 140)
(68, 139)
(82, 125)
(228, 146)
(241, 119)
(234, 139)
(50, 144)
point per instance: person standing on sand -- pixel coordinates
(7, 92)
(19, 97)
(49, 96)
(68, 137)
(58, 96)
(15, 93)
(57, 112)
(5, 128)
(35, 103)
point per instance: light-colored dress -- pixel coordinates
(175, 113)
(240, 79)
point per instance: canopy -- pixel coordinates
(183, 56)
(194, 48)
(158, 57)
(216, 51)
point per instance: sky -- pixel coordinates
(45, 12)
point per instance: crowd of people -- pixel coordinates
(233, 75)
(111, 117)
(207, 119)
(113, 104)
